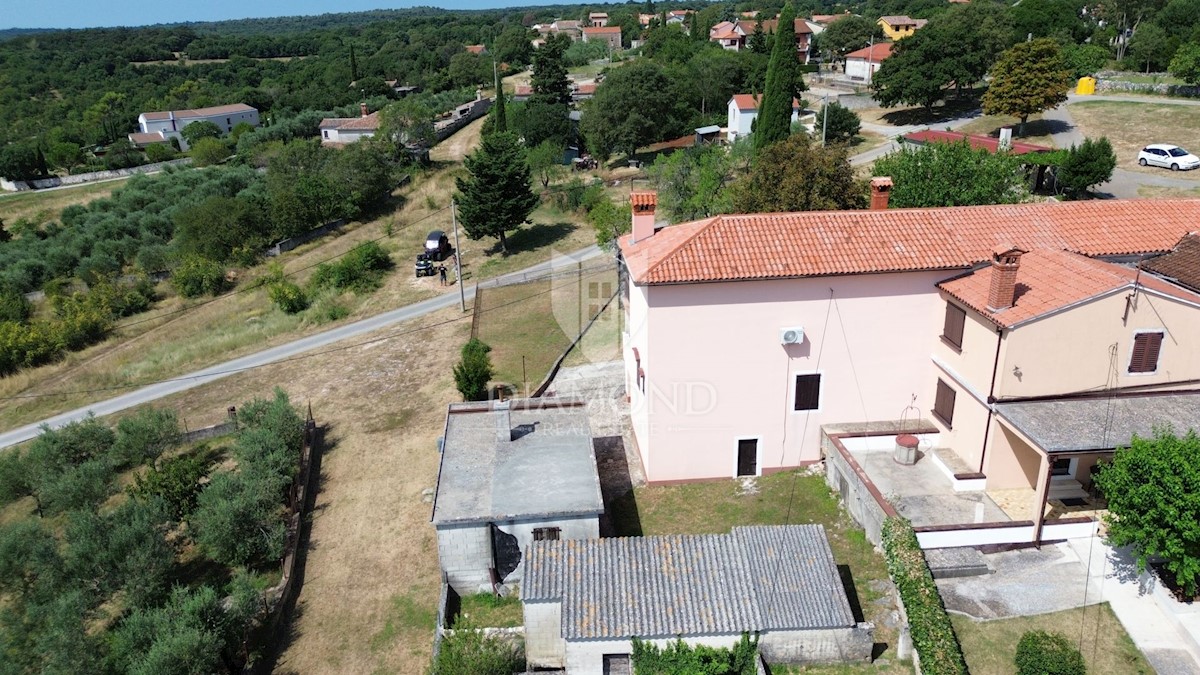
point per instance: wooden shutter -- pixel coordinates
(956, 319)
(1146, 347)
(747, 460)
(808, 392)
(943, 403)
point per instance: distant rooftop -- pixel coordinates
(752, 579)
(200, 112)
(548, 469)
(976, 141)
(1181, 264)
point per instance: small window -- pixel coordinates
(943, 403)
(1146, 347)
(546, 533)
(956, 318)
(1061, 467)
(747, 459)
(808, 392)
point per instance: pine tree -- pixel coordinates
(775, 112)
(758, 39)
(353, 65)
(496, 196)
(549, 82)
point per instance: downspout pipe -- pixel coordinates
(991, 399)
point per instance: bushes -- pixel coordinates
(359, 270)
(471, 652)
(288, 296)
(473, 371)
(932, 635)
(678, 658)
(159, 152)
(1042, 653)
(198, 276)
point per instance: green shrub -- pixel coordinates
(473, 371)
(1042, 653)
(209, 151)
(470, 652)
(198, 276)
(176, 482)
(932, 635)
(288, 296)
(679, 658)
(159, 152)
(359, 270)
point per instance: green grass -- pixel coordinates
(484, 610)
(791, 498)
(1137, 78)
(405, 616)
(989, 646)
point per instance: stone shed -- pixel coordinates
(512, 473)
(584, 601)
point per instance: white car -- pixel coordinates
(1170, 157)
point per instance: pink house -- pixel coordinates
(745, 334)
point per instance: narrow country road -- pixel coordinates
(175, 385)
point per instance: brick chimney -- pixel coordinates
(643, 204)
(881, 191)
(1006, 260)
(363, 108)
(503, 421)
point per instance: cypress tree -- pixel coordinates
(775, 111)
(499, 121)
(353, 65)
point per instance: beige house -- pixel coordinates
(1048, 360)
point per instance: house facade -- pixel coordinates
(742, 110)
(167, 124)
(745, 334)
(584, 601)
(512, 473)
(862, 64)
(339, 130)
(735, 36)
(900, 27)
(598, 19)
(610, 35)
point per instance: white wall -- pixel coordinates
(586, 657)
(225, 121)
(544, 645)
(860, 70)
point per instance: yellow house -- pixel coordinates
(1049, 360)
(897, 27)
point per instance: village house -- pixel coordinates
(161, 127)
(899, 27)
(735, 36)
(862, 64)
(585, 600)
(607, 34)
(339, 130)
(743, 110)
(478, 50)
(512, 473)
(598, 19)
(746, 334)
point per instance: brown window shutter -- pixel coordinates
(808, 392)
(956, 319)
(1146, 348)
(943, 403)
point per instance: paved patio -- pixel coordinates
(923, 493)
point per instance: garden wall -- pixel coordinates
(77, 179)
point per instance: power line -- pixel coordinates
(331, 350)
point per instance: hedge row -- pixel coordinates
(932, 635)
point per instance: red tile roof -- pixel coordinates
(876, 53)
(976, 141)
(750, 101)
(643, 198)
(1182, 264)
(476, 49)
(1049, 280)
(602, 30)
(818, 243)
(768, 26)
(368, 123)
(899, 21)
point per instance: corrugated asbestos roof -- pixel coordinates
(754, 578)
(818, 243)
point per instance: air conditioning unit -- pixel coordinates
(791, 336)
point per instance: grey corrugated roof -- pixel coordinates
(754, 578)
(1069, 425)
(548, 470)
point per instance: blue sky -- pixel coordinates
(92, 13)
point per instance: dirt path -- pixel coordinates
(456, 147)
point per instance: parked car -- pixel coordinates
(437, 246)
(1167, 156)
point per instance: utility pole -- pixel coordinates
(870, 59)
(462, 294)
(824, 117)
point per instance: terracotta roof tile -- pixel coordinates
(1181, 264)
(750, 101)
(877, 52)
(643, 198)
(976, 141)
(1050, 280)
(602, 30)
(367, 123)
(816, 243)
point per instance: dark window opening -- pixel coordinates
(956, 318)
(1061, 467)
(546, 533)
(1146, 347)
(747, 459)
(808, 392)
(943, 404)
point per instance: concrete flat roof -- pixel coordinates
(1081, 424)
(548, 469)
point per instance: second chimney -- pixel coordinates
(1002, 291)
(503, 421)
(881, 192)
(643, 205)
(363, 108)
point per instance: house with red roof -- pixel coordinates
(610, 35)
(743, 110)
(862, 64)
(341, 130)
(1022, 344)
(735, 36)
(478, 50)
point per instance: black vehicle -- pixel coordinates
(424, 266)
(437, 246)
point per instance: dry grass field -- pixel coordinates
(44, 206)
(1037, 130)
(1131, 126)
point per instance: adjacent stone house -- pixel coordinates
(585, 600)
(512, 473)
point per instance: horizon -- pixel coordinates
(83, 14)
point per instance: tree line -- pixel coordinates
(161, 577)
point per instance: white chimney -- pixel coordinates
(643, 205)
(1005, 143)
(503, 417)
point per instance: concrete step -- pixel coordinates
(947, 563)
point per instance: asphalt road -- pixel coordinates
(327, 338)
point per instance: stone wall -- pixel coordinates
(1106, 85)
(844, 476)
(829, 645)
(79, 178)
